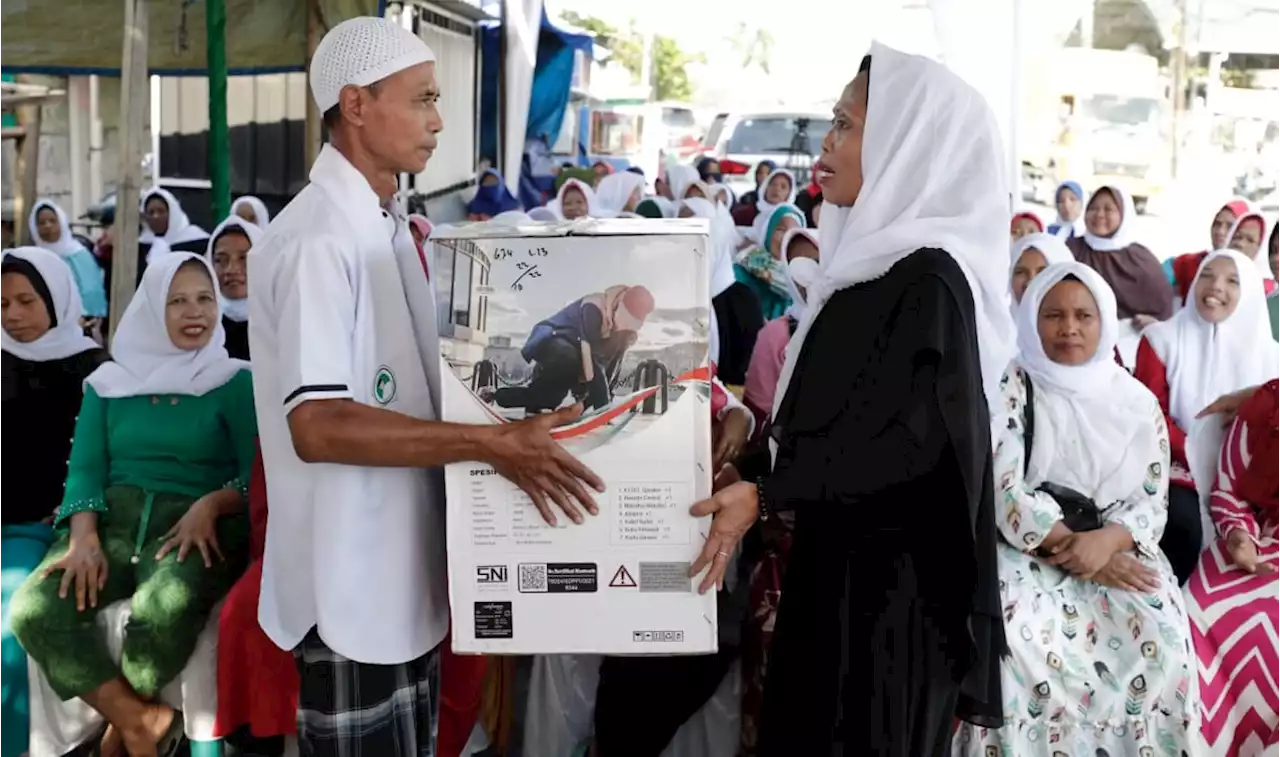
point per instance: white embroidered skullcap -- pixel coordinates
(359, 52)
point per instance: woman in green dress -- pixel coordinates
(154, 507)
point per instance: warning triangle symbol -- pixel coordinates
(622, 579)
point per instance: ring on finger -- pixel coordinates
(722, 553)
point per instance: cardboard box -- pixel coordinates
(515, 305)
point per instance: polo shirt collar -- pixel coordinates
(350, 190)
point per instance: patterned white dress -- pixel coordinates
(1092, 671)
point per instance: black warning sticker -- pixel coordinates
(494, 620)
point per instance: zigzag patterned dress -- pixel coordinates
(1234, 615)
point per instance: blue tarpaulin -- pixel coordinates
(553, 75)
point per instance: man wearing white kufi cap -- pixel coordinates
(347, 388)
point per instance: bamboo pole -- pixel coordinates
(27, 170)
(135, 91)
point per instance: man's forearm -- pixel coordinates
(351, 433)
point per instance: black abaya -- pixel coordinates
(237, 342)
(889, 623)
(738, 320)
(41, 401)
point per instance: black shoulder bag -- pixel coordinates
(1079, 513)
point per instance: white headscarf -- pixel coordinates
(1124, 235)
(180, 227)
(800, 271)
(723, 193)
(1091, 418)
(615, 190)
(1050, 246)
(511, 217)
(66, 244)
(235, 310)
(933, 176)
(679, 177)
(66, 337)
(543, 213)
(556, 206)
(1261, 260)
(721, 243)
(1204, 361)
(144, 358)
(764, 206)
(261, 215)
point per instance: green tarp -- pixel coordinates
(87, 36)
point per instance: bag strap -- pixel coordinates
(1028, 420)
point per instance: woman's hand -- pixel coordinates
(86, 565)
(1084, 553)
(198, 528)
(1228, 404)
(734, 509)
(1124, 571)
(1244, 553)
(730, 434)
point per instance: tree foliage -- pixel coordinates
(753, 46)
(669, 79)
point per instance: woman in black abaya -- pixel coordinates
(889, 623)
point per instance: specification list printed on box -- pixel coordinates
(614, 320)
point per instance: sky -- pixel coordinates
(808, 65)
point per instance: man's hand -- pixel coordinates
(1244, 553)
(734, 509)
(1124, 571)
(1228, 404)
(525, 454)
(730, 433)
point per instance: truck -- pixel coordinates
(1102, 118)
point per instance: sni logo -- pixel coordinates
(491, 574)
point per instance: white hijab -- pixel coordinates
(723, 193)
(1260, 261)
(679, 178)
(261, 215)
(543, 213)
(180, 227)
(146, 361)
(66, 337)
(1095, 423)
(933, 176)
(1204, 361)
(764, 206)
(721, 243)
(66, 244)
(235, 310)
(615, 190)
(1124, 234)
(800, 271)
(1050, 246)
(556, 206)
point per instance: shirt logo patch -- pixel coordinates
(384, 386)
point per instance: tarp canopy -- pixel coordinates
(87, 36)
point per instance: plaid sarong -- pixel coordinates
(354, 709)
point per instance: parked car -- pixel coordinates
(741, 140)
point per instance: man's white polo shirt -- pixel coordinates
(356, 552)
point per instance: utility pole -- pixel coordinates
(1178, 61)
(215, 17)
(135, 90)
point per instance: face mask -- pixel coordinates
(803, 271)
